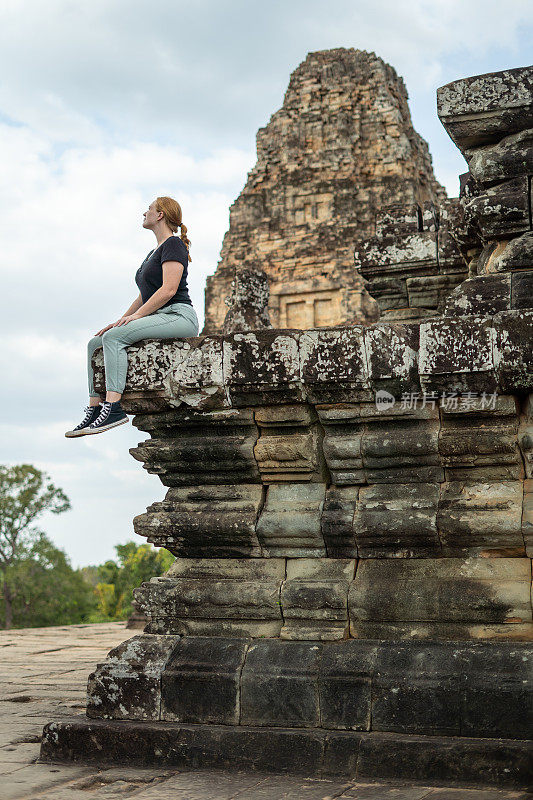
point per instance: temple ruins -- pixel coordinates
(351, 505)
(341, 147)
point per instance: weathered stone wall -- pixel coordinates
(353, 574)
(341, 146)
(490, 118)
(289, 457)
(414, 261)
(352, 513)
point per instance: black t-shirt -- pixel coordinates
(149, 276)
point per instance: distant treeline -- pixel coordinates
(45, 590)
(38, 585)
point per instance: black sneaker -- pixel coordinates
(110, 416)
(91, 414)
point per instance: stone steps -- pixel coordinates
(430, 759)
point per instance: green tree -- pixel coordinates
(45, 590)
(23, 498)
(116, 581)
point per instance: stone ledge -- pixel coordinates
(483, 108)
(458, 760)
(324, 365)
(415, 598)
(432, 688)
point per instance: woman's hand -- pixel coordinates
(103, 330)
(122, 321)
(128, 318)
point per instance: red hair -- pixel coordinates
(171, 211)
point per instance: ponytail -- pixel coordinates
(184, 238)
(171, 211)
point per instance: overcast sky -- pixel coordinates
(106, 104)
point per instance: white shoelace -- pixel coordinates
(103, 415)
(88, 413)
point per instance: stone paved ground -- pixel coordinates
(43, 675)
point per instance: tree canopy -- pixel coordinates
(39, 585)
(25, 494)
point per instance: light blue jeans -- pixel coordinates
(176, 321)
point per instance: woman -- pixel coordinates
(163, 310)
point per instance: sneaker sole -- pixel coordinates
(89, 432)
(72, 434)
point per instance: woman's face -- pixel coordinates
(152, 216)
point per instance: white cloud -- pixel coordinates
(208, 71)
(73, 224)
(103, 106)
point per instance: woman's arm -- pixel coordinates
(137, 303)
(172, 272)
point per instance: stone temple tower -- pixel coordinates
(341, 147)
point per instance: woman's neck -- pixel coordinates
(161, 234)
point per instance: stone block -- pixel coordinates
(488, 255)
(435, 759)
(247, 304)
(289, 448)
(409, 451)
(416, 688)
(199, 448)
(279, 684)
(457, 355)
(522, 290)
(262, 367)
(215, 597)
(409, 316)
(390, 293)
(482, 519)
(333, 364)
(508, 158)
(441, 598)
(391, 354)
(185, 748)
(234, 569)
(337, 521)
(166, 374)
(398, 220)
(343, 433)
(423, 759)
(426, 687)
(407, 254)
(289, 523)
(430, 291)
(501, 211)
(484, 108)
(294, 456)
(512, 354)
(357, 452)
(127, 685)
(497, 690)
(483, 295)
(525, 436)
(205, 521)
(450, 243)
(478, 438)
(346, 673)
(195, 380)
(456, 235)
(314, 598)
(201, 682)
(517, 254)
(396, 521)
